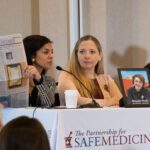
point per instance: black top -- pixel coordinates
(33, 98)
(43, 93)
(133, 94)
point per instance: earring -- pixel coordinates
(33, 59)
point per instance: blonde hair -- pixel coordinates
(75, 68)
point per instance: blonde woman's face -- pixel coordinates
(88, 55)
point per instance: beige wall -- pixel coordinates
(122, 26)
(54, 24)
(94, 21)
(15, 17)
(127, 33)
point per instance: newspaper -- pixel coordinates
(14, 87)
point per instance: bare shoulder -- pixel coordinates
(65, 81)
(64, 76)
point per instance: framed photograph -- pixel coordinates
(9, 55)
(135, 86)
(14, 75)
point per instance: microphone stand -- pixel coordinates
(94, 104)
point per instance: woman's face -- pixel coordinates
(44, 57)
(88, 55)
(138, 84)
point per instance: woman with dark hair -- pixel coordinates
(86, 63)
(39, 53)
(24, 133)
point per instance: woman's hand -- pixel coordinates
(31, 72)
(105, 103)
(101, 102)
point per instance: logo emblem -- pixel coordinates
(68, 141)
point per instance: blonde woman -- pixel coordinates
(87, 64)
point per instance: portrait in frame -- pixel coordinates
(135, 86)
(9, 55)
(14, 75)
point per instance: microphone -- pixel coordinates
(91, 105)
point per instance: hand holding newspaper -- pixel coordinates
(14, 89)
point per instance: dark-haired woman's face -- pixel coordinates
(44, 57)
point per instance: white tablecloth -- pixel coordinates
(92, 129)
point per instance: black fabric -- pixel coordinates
(57, 100)
(38, 82)
(33, 98)
(90, 105)
(147, 66)
(138, 95)
(121, 102)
